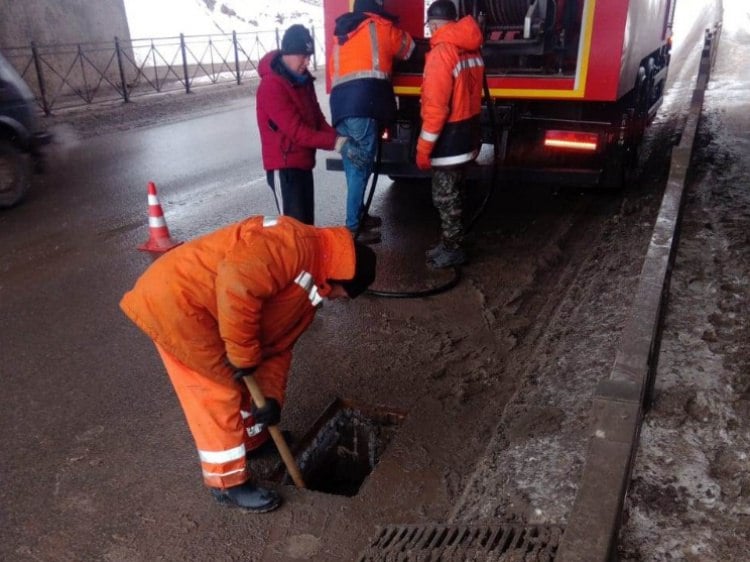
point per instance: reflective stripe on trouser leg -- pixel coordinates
(274, 181)
(212, 410)
(446, 196)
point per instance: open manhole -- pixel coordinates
(457, 543)
(343, 447)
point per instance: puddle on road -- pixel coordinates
(343, 447)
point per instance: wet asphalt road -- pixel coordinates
(88, 420)
(98, 462)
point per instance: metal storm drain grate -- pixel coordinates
(343, 447)
(432, 543)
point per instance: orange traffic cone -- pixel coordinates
(159, 239)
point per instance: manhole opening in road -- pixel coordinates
(343, 447)
(448, 543)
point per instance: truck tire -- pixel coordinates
(15, 173)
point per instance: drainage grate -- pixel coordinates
(433, 543)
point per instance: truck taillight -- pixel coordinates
(571, 140)
(386, 134)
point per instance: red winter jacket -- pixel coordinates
(291, 123)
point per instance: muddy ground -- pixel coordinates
(495, 377)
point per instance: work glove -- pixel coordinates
(270, 414)
(423, 161)
(350, 150)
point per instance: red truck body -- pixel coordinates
(573, 83)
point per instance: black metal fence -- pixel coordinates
(68, 75)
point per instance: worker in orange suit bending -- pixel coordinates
(233, 303)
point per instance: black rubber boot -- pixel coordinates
(248, 496)
(441, 257)
(370, 222)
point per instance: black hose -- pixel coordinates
(469, 225)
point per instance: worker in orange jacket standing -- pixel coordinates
(231, 304)
(451, 132)
(366, 43)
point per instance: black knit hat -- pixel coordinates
(442, 10)
(297, 41)
(364, 271)
(372, 6)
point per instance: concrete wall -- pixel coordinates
(61, 21)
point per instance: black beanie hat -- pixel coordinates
(442, 10)
(297, 41)
(372, 6)
(364, 271)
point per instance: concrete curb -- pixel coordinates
(622, 399)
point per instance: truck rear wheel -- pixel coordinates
(15, 173)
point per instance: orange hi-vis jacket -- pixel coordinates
(242, 294)
(452, 94)
(360, 65)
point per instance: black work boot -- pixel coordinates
(248, 496)
(370, 222)
(441, 256)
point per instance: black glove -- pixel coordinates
(239, 373)
(270, 414)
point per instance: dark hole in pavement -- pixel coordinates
(343, 447)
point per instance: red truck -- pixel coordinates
(573, 84)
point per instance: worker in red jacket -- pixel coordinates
(233, 303)
(292, 125)
(451, 132)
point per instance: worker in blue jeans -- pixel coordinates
(366, 42)
(364, 132)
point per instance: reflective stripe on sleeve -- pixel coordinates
(267, 222)
(207, 474)
(454, 160)
(219, 457)
(305, 280)
(429, 137)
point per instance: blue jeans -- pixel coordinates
(364, 132)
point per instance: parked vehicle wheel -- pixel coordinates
(15, 173)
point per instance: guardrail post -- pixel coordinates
(153, 64)
(125, 93)
(184, 63)
(88, 96)
(278, 42)
(236, 57)
(40, 79)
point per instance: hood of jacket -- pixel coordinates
(464, 34)
(346, 23)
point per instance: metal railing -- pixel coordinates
(69, 75)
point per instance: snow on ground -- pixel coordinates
(690, 497)
(168, 18)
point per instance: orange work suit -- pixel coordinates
(239, 297)
(452, 94)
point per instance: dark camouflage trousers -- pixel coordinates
(447, 196)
